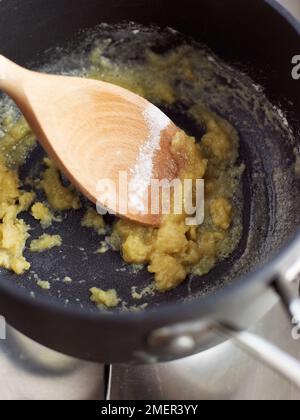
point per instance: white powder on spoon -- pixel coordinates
(142, 173)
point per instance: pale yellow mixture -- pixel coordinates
(41, 212)
(45, 242)
(171, 252)
(108, 299)
(174, 250)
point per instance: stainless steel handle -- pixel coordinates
(278, 360)
(289, 298)
(182, 340)
(108, 377)
(282, 363)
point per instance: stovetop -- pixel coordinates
(32, 372)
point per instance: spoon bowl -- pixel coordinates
(109, 142)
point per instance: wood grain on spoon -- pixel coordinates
(95, 130)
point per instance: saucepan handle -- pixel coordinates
(270, 355)
(278, 360)
(182, 340)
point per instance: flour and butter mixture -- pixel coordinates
(171, 80)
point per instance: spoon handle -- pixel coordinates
(2, 67)
(12, 77)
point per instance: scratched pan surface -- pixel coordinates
(271, 192)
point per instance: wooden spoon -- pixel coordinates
(95, 131)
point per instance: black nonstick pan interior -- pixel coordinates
(270, 187)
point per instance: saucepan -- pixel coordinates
(261, 40)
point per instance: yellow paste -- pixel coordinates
(109, 298)
(13, 230)
(59, 197)
(94, 221)
(42, 213)
(45, 242)
(45, 285)
(174, 250)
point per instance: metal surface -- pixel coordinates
(29, 371)
(292, 5)
(182, 340)
(268, 354)
(224, 372)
